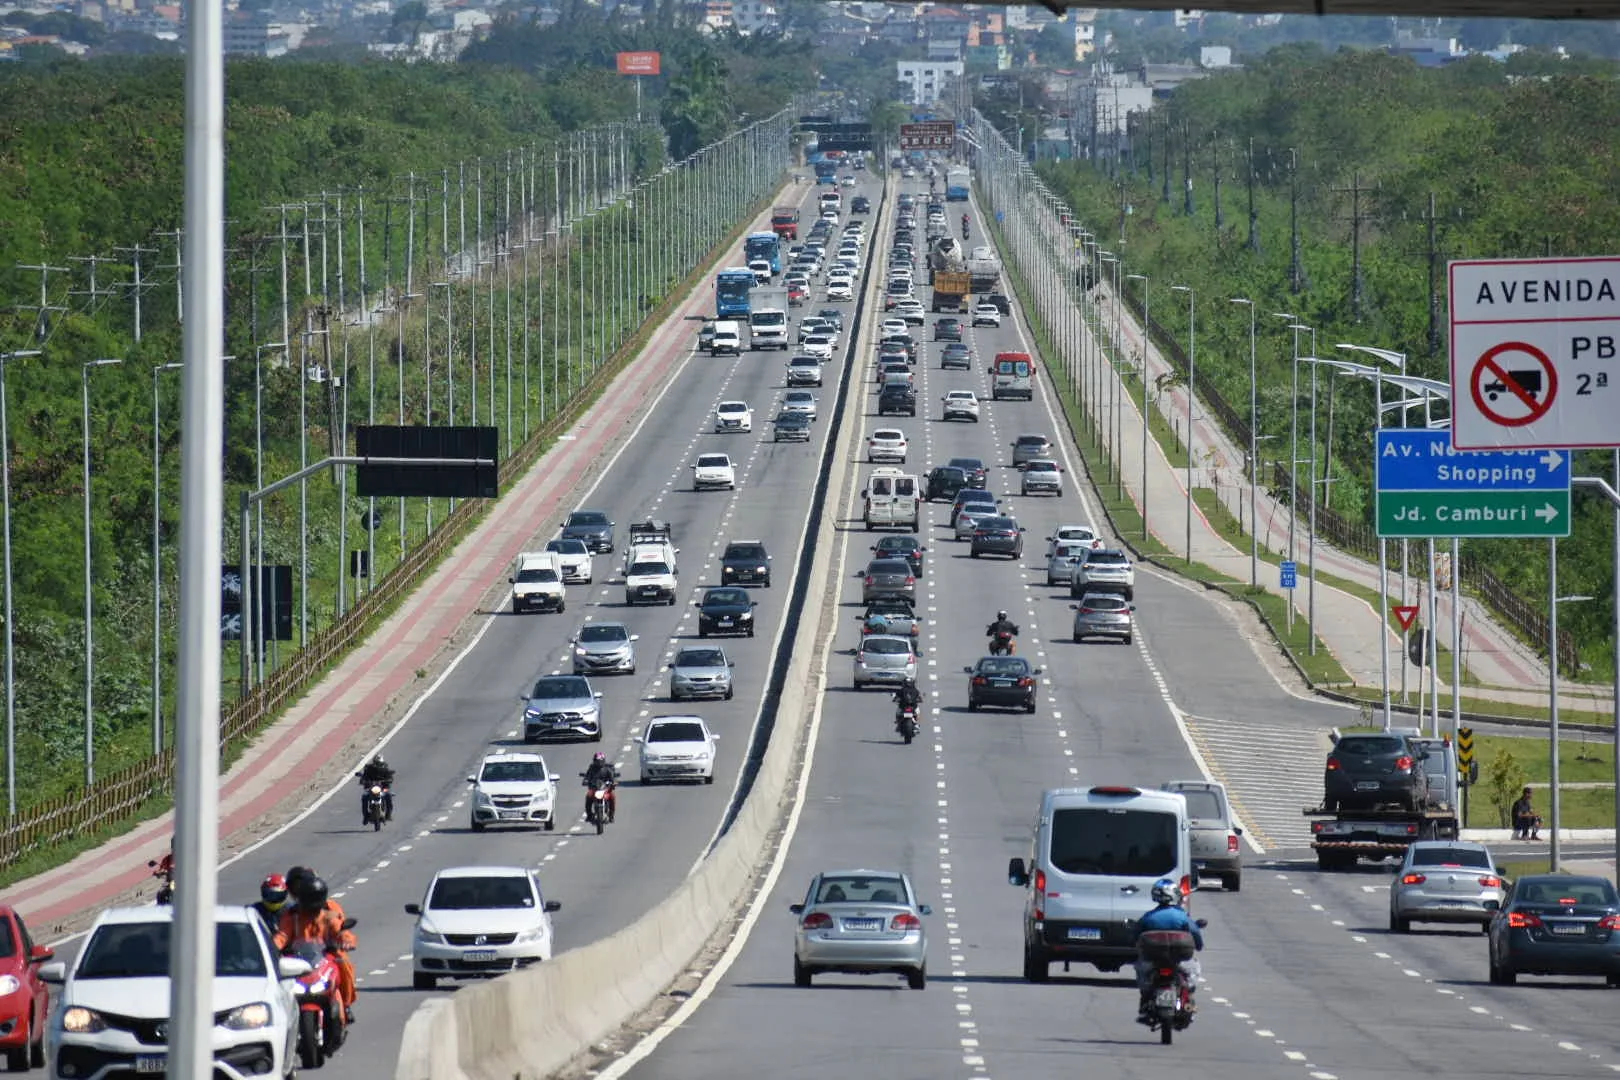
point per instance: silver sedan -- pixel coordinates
(861, 922)
(1449, 881)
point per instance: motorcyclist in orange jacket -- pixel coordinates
(314, 919)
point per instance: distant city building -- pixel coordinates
(254, 34)
(925, 80)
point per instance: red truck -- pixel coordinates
(785, 222)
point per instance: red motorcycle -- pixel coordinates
(1002, 643)
(321, 1029)
(1171, 1008)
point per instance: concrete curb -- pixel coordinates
(1492, 836)
(535, 1022)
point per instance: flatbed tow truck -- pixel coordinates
(1341, 837)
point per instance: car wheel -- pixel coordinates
(423, 981)
(1232, 882)
(973, 706)
(1506, 975)
(917, 977)
(551, 824)
(1030, 708)
(1129, 639)
(1609, 980)
(477, 826)
(728, 689)
(709, 779)
(597, 737)
(562, 606)
(17, 1060)
(975, 553)
(801, 974)
(1037, 968)
(750, 631)
(1398, 925)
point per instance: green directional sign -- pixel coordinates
(1426, 514)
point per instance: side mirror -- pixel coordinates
(413, 909)
(1333, 737)
(596, 693)
(350, 923)
(635, 637)
(697, 603)
(797, 909)
(553, 777)
(511, 581)
(1074, 607)
(40, 954)
(714, 738)
(924, 909)
(1238, 829)
(472, 779)
(1037, 671)
(1016, 874)
(292, 967)
(670, 666)
(1200, 923)
(967, 670)
(553, 905)
(53, 973)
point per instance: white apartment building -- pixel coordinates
(926, 79)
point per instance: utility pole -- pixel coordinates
(1186, 168)
(1296, 258)
(1165, 196)
(137, 286)
(1354, 191)
(1215, 153)
(1254, 216)
(43, 309)
(94, 293)
(178, 266)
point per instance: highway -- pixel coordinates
(1302, 979)
(605, 882)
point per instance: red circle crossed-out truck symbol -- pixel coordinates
(1516, 395)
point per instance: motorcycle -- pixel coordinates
(374, 807)
(165, 893)
(596, 805)
(964, 227)
(1170, 996)
(1002, 643)
(321, 1028)
(905, 722)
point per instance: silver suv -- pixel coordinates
(1029, 448)
(562, 707)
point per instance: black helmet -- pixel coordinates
(296, 877)
(379, 763)
(313, 897)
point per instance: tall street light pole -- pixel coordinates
(1293, 434)
(1142, 368)
(1192, 366)
(89, 595)
(1254, 454)
(11, 670)
(157, 559)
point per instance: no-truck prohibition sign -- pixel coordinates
(1514, 384)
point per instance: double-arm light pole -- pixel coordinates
(1142, 370)
(1254, 458)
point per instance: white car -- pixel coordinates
(848, 181)
(819, 346)
(911, 312)
(1041, 475)
(762, 270)
(733, 416)
(112, 1013)
(892, 327)
(840, 289)
(714, 471)
(962, 405)
(800, 401)
(1070, 534)
(478, 922)
(573, 560)
(886, 444)
(986, 314)
(677, 748)
(513, 789)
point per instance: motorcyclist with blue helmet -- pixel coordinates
(1167, 914)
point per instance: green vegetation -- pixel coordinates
(1517, 165)
(355, 175)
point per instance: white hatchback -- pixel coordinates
(892, 327)
(840, 289)
(888, 445)
(733, 416)
(714, 471)
(477, 922)
(961, 405)
(677, 748)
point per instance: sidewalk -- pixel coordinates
(304, 754)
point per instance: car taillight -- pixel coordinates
(817, 920)
(1490, 881)
(1040, 881)
(870, 579)
(905, 921)
(1333, 765)
(860, 657)
(1165, 973)
(1521, 920)
(1414, 879)
(1087, 611)
(1403, 763)
(910, 580)
(1231, 843)
(1026, 681)
(978, 680)
(1609, 922)
(1186, 885)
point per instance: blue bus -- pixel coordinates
(764, 245)
(731, 288)
(827, 172)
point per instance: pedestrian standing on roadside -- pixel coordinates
(1526, 822)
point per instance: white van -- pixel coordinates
(892, 499)
(831, 200)
(537, 583)
(727, 338)
(1090, 871)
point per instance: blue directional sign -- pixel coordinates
(1426, 489)
(1290, 574)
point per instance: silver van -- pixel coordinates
(1089, 874)
(1065, 556)
(1216, 844)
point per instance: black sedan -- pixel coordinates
(1367, 771)
(897, 398)
(591, 526)
(860, 204)
(1002, 682)
(792, 427)
(746, 562)
(1556, 924)
(725, 610)
(998, 536)
(943, 483)
(977, 474)
(909, 548)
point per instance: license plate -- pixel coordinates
(863, 924)
(1166, 999)
(477, 956)
(511, 815)
(725, 622)
(1084, 933)
(151, 1063)
(1569, 930)
(1367, 785)
(1000, 682)
(1200, 865)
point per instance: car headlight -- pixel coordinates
(542, 796)
(248, 1017)
(82, 1021)
(531, 714)
(746, 615)
(482, 798)
(581, 652)
(9, 984)
(538, 933)
(428, 937)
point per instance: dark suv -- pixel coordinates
(897, 398)
(860, 204)
(1366, 771)
(746, 562)
(943, 483)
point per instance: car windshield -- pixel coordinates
(1106, 840)
(1203, 803)
(501, 771)
(733, 406)
(725, 597)
(648, 569)
(1595, 892)
(975, 495)
(791, 419)
(560, 686)
(887, 646)
(1032, 440)
(1042, 466)
(1001, 523)
(567, 547)
(1003, 665)
(1106, 558)
(1370, 745)
(604, 632)
(141, 950)
(889, 566)
(700, 658)
(530, 575)
(481, 893)
(1450, 856)
(871, 889)
(967, 463)
(587, 517)
(1099, 602)
(682, 731)
(898, 543)
(713, 461)
(745, 551)
(949, 473)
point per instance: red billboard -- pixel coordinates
(639, 63)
